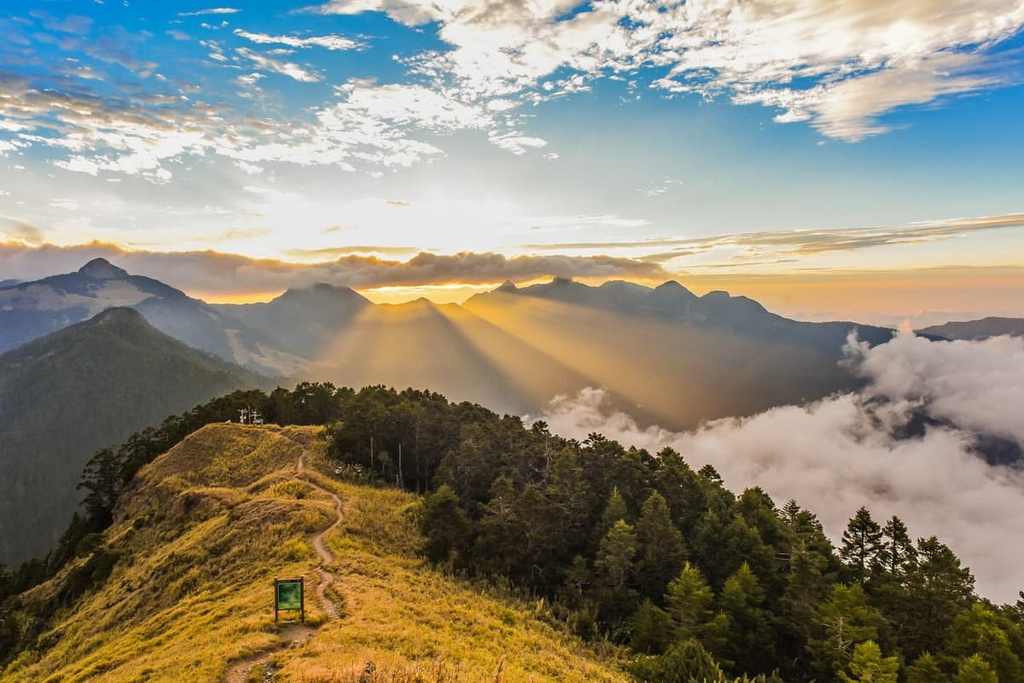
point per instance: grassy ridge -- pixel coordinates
(206, 529)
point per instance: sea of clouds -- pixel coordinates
(849, 450)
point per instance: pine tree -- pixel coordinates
(980, 631)
(661, 553)
(689, 602)
(937, 590)
(862, 542)
(750, 647)
(652, 629)
(685, 662)
(843, 621)
(614, 569)
(926, 670)
(444, 525)
(896, 555)
(975, 669)
(869, 666)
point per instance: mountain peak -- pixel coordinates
(119, 315)
(673, 287)
(102, 269)
(321, 290)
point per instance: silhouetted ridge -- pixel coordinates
(669, 300)
(102, 269)
(977, 329)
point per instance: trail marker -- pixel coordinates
(289, 596)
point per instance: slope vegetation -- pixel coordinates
(193, 552)
(82, 388)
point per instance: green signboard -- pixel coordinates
(289, 596)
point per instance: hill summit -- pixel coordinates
(182, 585)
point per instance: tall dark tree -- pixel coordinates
(681, 488)
(444, 525)
(843, 621)
(688, 602)
(661, 553)
(103, 480)
(614, 568)
(750, 645)
(897, 554)
(938, 589)
(862, 543)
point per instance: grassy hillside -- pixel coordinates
(198, 542)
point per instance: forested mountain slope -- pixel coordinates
(85, 387)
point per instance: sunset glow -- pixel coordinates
(434, 150)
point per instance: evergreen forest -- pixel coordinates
(638, 550)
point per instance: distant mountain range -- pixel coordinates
(31, 309)
(978, 329)
(664, 355)
(85, 387)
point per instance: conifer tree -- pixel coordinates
(862, 542)
(689, 602)
(869, 666)
(661, 553)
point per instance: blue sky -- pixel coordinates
(776, 148)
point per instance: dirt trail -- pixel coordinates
(330, 606)
(296, 635)
(318, 541)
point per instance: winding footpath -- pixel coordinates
(296, 635)
(330, 607)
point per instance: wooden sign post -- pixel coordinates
(289, 595)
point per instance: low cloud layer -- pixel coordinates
(835, 455)
(755, 247)
(213, 273)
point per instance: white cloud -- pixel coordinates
(849, 109)
(289, 69)
(843, 452)
(329, 42)
(251, 169)
(856, 61)
(212, 10)
(516, 143)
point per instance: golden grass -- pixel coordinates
(210, 526)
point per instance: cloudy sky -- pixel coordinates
(832, 159)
